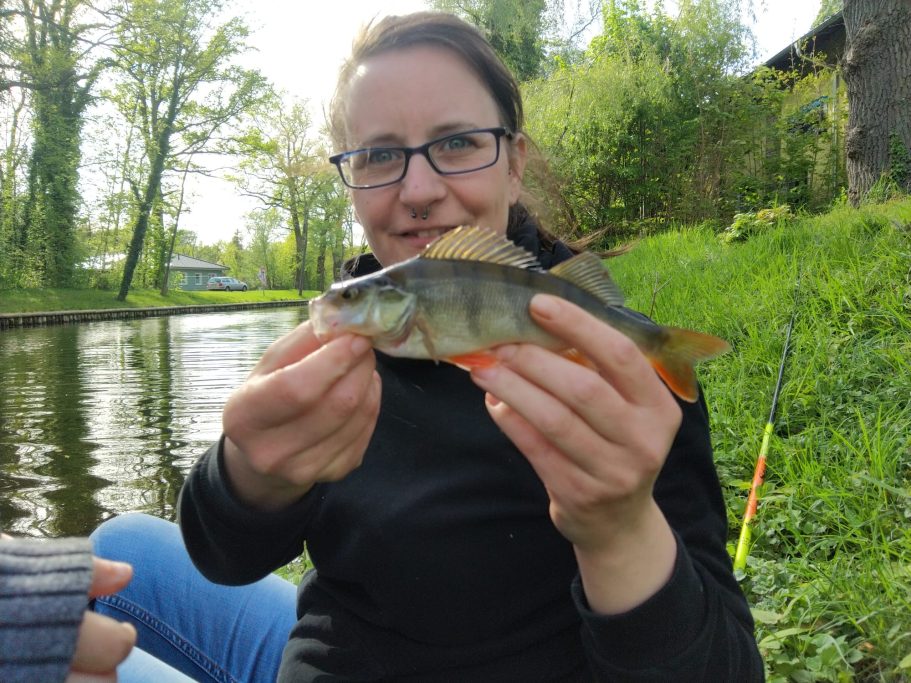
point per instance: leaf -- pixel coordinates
(766, 616)
(905, 663)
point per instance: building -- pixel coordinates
(828, 40)
(191, 273)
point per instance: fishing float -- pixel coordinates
(749, 515)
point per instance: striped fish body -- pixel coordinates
(463, 307)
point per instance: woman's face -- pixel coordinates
(406, 98)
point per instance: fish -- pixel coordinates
(469, 292)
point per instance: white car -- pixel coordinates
(226, 284)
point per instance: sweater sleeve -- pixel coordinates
(44, 586)
(698, 627)
(229, 542)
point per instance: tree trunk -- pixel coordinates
(142, 220)
(877, 71)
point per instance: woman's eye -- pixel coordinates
(378, 157)
(457, 143)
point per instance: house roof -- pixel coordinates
(181, 262)
(828, 38)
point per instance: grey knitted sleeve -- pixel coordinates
(44, 587)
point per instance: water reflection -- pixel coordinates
(102, 418)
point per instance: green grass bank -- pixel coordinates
(829, 575)
(34, 300)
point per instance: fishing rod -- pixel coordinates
(746, 531)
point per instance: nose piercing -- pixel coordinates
(426, 213)
(414, 214)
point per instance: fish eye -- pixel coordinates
(350, 293)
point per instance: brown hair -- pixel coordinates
(438, 29)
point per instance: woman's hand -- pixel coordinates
(304, 415)
(103, 642)
(597, 437)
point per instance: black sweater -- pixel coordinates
(436, 559)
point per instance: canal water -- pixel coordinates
(102, 418)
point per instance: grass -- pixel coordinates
(45, 300)
(829, 574)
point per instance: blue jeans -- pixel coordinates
(185, 623)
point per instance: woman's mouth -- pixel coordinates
(429, 234)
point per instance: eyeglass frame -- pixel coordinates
(423, 150)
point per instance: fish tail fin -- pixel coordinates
(675, 358)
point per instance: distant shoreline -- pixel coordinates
(10, 321)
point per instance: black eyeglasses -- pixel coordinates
(464, 152)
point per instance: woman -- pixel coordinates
(536, 520)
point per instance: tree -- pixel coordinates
(877, 71)
(827, 9)
(515, 29)
(59, 94)
(179, 81)
(284, 167)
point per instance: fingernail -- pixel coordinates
(122, 569)
(485, 374)
(359, 345)
(505, 353)
(544, 306)
(492, 400)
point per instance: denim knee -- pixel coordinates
(130, 536)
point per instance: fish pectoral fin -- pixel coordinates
(426, 337)
(473, 361)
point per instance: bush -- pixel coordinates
(747, 225)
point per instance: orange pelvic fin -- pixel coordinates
(675, 359)
(485, 359)
(577, 357)
(473, 361)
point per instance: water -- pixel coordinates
(102, 418)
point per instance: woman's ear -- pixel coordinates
(518, 157)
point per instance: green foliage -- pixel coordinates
(899, 162)
(514, 28)
(747, 225)
(827, 8)
(658, 121)
(828, 575)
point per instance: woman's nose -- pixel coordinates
(421, 185)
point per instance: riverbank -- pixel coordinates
(15, 320)
(33, 307)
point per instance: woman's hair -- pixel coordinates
(438, 29)
(435, 29)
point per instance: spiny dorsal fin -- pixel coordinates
(467, 243)
(586, 272)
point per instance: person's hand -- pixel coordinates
(597, 437)
(103, 642)
(304, 415)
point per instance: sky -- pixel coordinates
(299, 46)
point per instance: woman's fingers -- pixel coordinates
(297, 344)
(108, 576)
(267, 400)
(614, 354)
(103, 644)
